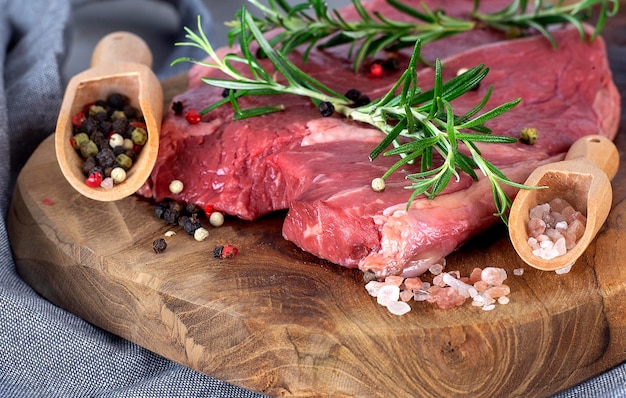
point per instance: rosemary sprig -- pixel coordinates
(416, 123)
(312, 24)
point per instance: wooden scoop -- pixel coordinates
(582, 179)
(120, 63)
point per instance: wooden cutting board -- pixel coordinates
(279, 321)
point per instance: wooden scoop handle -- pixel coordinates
(598, 150)
(121, 47)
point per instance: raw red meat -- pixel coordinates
(221, 163)
(339, 218)
(318, 168)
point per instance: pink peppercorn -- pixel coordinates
(94, 179)
(193, 117)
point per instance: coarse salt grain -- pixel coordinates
(398, 307)
(394, 280)
(435, 269)
(554, 228)
(373, 287)
(493, 275)
(107, 183)
(564, 270)
(518, 271)
(485, 287)
(387, 294)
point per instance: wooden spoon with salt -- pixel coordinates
(584, 180)
(120, 63)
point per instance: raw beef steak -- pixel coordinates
(336, 215)
(318, 168)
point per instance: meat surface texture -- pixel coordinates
(318, 168)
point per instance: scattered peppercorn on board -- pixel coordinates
(279, 321)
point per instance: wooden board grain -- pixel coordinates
(279, 321)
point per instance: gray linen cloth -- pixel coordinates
(44, 350)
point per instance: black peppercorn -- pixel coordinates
(118, 150)
(88, 165)
(177, 107)
(217, 251)
(130, 112)
(171, 216)
(106, 157)
(159, 245)
(117, 101)
(191, 224)
(88, 126)
(391, 64)
(159, 209)
(130, 153)
(119, 125)
(353, 94)
(363, 100)
(192, 209)
(326, 108)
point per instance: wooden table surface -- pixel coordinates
(279, 321)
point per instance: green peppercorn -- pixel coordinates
(79, 139)
(139, 136)
(94, 110)
(124, 161)
(528, 135)
(118, 115)
(88, 148)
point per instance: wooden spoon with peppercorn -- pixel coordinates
(583, 179)
(120, 67)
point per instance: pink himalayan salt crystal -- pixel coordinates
(438, 280)
(436, 269)
(481, 286)
(406, 295)
(475, 275)
(445, 297)
(539, 211)
(421, 295)
(518, 271)
(498, 291)
(394, 280)
(536, 227)
(564, 226)
(577, 228)
(413, 283)
(558, 204)
(493, 275)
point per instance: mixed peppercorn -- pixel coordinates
(190, 217)
(108, 134)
